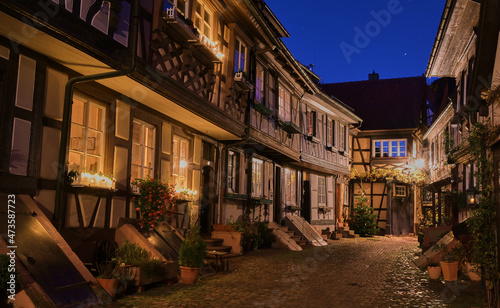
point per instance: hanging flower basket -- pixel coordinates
(154, 202)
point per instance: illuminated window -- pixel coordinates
(321, 191)
(203, 19)
(389, 148)
(240, 51)
(180, 153)
(86, 148)
(290, 187)
(143, 149)
(257, 168)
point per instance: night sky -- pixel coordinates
(347, 39)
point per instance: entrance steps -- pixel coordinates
(286, 238)
(301, 227)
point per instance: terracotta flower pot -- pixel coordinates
(473, 272)
(110, 285)
(434, 271)
(189, 274)
(450, 270)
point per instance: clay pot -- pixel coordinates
(473, 272)
(110, 285)
(189, 274)
(434, 271)
(450, 270)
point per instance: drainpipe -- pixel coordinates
(60, 206)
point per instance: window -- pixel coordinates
(232, 171)
(399, 191)
(259, 84)
(311, 123)
(240, 51)
(271, 98)
(202, 19)
(143, 149)
(321, 191)
(342, 141)
(390, 148)
(290, 187)
(284, 105)
(180, 160)
(257, 167)
(330, 132)
(86, 148)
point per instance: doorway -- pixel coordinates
(278, 213)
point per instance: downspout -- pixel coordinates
(60, 207)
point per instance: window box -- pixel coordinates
(324, 209)
(329, 147)
(313, 139)
(262, 108)
(292, 208)
(242, 81)
(183, 28)
(260, 201)
(209, 50)
(235, 196)
(341, 152)
(290, 127)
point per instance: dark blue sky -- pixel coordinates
(347, 39)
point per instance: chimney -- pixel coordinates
(373, 76)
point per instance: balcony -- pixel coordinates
(242, 81)
(183, 29)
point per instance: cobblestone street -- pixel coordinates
(362, 272)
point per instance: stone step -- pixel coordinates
(353, 235)
(219, 248)
(295, 238)
(347, 233)
(213, 241)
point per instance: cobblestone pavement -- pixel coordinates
(362, 272)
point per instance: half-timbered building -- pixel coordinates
(386, 150)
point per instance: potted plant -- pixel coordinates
(136, 267)
(107, 278)
(451, 260)
(434, 270)
(326, 233)
(192, 256)
(154, 201)
(473, 271)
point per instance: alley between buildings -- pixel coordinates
(362, 272)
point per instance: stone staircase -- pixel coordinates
(347, 233)
(215, 244)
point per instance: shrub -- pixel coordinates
(193, 249)
(362, 220)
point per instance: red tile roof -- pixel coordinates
(385, 103)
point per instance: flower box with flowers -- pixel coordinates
(154, 202)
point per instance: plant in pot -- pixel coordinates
(192, 256)
(451, 261)
(107, 277)
(136, 267)
(433, 269)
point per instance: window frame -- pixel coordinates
(290, 187)
(177, 159)
(342, 137)
(85, 126)
(322, 198)
(203, 22)
(143, 148)
(239, 45)
(284, 104)
(257, 180)
(312, 120)
(232, 171)
(399, 187)
(260, 84)
(390, 148)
